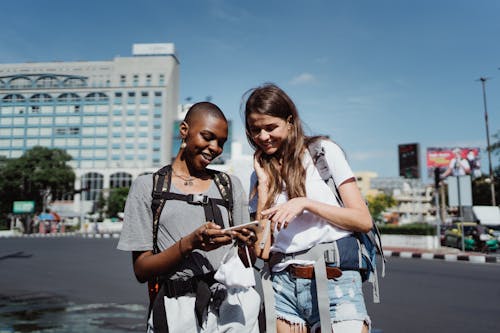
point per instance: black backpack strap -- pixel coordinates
(223, 182)
(210, 205)
(161, 183)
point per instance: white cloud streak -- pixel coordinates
(304, 78)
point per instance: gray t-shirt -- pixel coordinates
(178, 219)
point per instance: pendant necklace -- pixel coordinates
(188, 180)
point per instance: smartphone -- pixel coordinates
(252, 224)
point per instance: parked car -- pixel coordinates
(443, 228)
(477, 237)
(495, 231)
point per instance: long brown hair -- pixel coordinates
(286, 164)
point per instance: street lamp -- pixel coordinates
(492, 176)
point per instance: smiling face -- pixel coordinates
(267, 132)
(205, 137)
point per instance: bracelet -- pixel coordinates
(180, 249)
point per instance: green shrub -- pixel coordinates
(422, 229)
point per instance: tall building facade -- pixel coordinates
(115, 118)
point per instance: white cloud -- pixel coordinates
(322, 60)
(304, 78)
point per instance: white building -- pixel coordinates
(115, 117)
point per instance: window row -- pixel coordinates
(65, 97)
(60, 142)
(48, 131)
(42, 81)
(137, 79)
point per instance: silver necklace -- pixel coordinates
(188, 180)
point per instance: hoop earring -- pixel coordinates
(183, 144)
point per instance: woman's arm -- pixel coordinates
(208, 237)
(354, 216)
(262, 245)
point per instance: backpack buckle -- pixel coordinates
(197, 199)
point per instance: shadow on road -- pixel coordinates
(16, 255)
(44, 312)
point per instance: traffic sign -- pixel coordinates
(23, 207)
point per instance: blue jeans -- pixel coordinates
(296, 300)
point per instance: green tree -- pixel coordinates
(379, 203)
(116, 201)
(38, 170)
(481, 188)
(495, 146)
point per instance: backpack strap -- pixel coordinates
(317, 152)
(225, 186)
(158, 200)
(162, 180)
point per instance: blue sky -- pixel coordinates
(371, 74)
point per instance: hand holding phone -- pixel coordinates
(238, 227)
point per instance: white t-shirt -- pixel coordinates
(307, 229)
(459, 166)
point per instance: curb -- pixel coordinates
(474, 258)
(61, 235)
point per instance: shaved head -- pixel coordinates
(201, 110)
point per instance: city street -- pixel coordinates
(75, 284)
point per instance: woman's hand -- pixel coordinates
(246, 236)
(208, 237)
(280, 215)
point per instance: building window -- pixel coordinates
(123, 80)
(96, 97)
(93, 182)
(41, 98)
(162, 79)
(13, 98)
(120, 179)
(47, 82)
(68, 97)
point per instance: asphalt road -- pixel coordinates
(86, 285)
(430, 296)
(69, 284)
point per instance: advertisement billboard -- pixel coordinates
(409, 166)
(457, 161)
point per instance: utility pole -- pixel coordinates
(492, 176)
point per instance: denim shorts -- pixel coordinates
(296, 300)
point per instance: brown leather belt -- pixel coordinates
(307, 272)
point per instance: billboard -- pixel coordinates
(409, 166)
(458, 161)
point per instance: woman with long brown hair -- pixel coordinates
(303, 213)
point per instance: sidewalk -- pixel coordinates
(442, 253)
